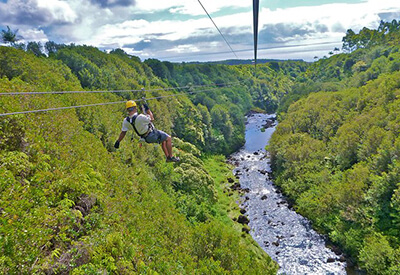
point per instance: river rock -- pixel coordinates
(269, 123)
(243, 211)
(238, 173)
(230, 180)
(243, 219)
(336, 250)
(246, 230)
(256, 153)
(342, 259)
(264, 197)
(275, 243)
(263, 172)
(330, 260)
(236, 186)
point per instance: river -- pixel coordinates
(285, 235)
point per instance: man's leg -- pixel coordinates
(164, 148)
(169, 146)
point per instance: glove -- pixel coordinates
(146, 107)
(116, 145)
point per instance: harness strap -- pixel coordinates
(132, 122)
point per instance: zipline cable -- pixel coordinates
(106, 103)
(226, 41)
(118, 91)
(256, 8)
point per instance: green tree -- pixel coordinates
(35, 47)
(9, 36)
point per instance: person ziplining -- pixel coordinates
(144, 128)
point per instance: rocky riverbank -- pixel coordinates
(285, 235)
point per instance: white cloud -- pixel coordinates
(60, 10)
(291, 26)
(33, 35)
(184, 49)
(134, 31)
(165, 30)
(189, 7)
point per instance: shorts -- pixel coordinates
(156, 136)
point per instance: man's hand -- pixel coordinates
(116, 145)
(146, 107)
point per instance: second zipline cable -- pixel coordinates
(106, 103)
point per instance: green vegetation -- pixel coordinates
(70, 203)
(336, 150)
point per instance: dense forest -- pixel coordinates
(336, 150)
(71, 203)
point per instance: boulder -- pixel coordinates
(243, 219)
(336, 250)
(263, 172)
(85, 204)
(236, 186)
(330, 260)
(264, 197)
(246, 230)
(275, 243)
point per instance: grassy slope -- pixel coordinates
(68, 204)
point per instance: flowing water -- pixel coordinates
(285, 235)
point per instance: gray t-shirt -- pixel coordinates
(142, 123)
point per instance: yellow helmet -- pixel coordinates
(130, 104)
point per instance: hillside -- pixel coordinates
(70, 203)
(336, 150)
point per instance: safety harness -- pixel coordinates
(132, 122)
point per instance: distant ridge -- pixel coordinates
(242, 61)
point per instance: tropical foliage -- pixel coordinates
(336, 150)
(70, 203)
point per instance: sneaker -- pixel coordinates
(173, 159)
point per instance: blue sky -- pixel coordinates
(179, 30)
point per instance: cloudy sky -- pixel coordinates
(179, 30)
